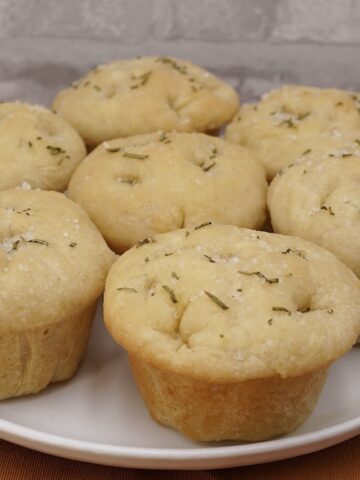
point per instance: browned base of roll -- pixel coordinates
(251, 410)
(31, 359)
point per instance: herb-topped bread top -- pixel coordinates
(37, 147)
(319, 199)
(149, 184)
(285, 124)
(53, 261)
(143, 95)
(222, 304)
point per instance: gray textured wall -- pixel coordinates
(255, 44)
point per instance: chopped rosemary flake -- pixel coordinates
(344, 155)
(164, 138)
(86, 83)
(137, 156)
(216, 300)
(147, 259)
(142, 79)
(214, 152)
(145, 77)
(239, 289)
(262, 276)
(202, 225)
(38, 138)
(145, 242)
(30, 144)
(338, 104)
(288, 123)
(174, 275)
(113, 149)
(302, 116)
(39, 241)
(130, 180)
(283, 170)
(221, 335)
(270, 321)
(330, 311)
(127, 289)
(328, 209)
(168, 254)
(357, 141)
(72, 244)
(54, 150)
(26, 211)
(299, 253)
(209, 167)
(209, 258)
(187, 233)
(169, 61)
(306, 152)
(97, 88)
(281, 309)
(170, 291)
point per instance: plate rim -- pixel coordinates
(180, 458)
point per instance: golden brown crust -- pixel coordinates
(289, 122)
(143, 95)
(223, 304)
(53, 264)
(47, 242)
(37, 147)
(149, 184)
(33, 358)
(319, 200)
(252, 410)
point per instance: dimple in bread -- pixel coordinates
(37, 147)
(148, 184)
(318, 199)
(230, 332)
(291, 121)
(48, 245)
(143, 95)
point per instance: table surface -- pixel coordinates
(339, 462)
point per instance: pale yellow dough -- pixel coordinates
(222, 319)
(130, 97)
(292, 120)
(53, 264)
(319, 200)
(148, 184)
(37, 147)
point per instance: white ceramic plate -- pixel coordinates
(99, 417)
